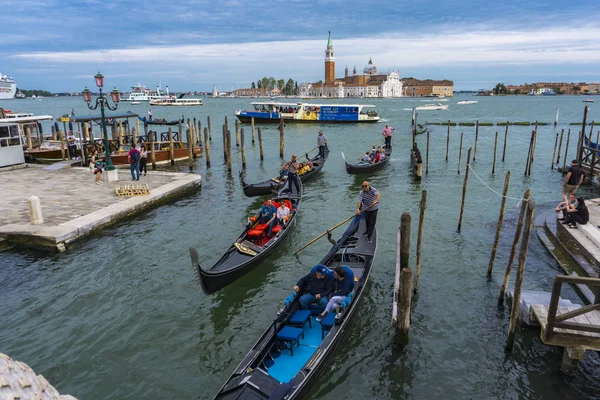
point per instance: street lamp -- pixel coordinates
(103, 102)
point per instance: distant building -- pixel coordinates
(367, 84)
(428, 87)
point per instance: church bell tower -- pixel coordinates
(329, 62)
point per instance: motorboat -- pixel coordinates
(176, 102)
(271, 111)
(467, 102)
(436, 106)
(588, 100)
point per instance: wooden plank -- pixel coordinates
(541, 313)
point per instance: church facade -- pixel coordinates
(367, 84)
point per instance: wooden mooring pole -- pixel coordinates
(422, 208)
(207, 147)
(495, 147)
(528, 155)
(402, 283)
(516, 300)
(62, 145)
(562, 132)
(448, 141)
(581, 136)
(460, 151)
(566, 152)
(190, 145)
(427, 155)
(243, 149)
(237, 133)
(281, 137)
(172, 146)
(229, 150)
(505, 137)
(209, 129)
(513, 250)
(260, 146)
(554, 152)
(464, 191)
(224, 143)
(252, 128)
(476, 138)
(499, 225)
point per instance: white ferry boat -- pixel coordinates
(271, 111)
(8, 87)
(438, 106)
(172, 101)
(142, 93)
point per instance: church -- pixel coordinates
(367, 84)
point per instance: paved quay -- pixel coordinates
(73, 205)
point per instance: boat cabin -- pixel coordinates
(308, 112)
(13, 136)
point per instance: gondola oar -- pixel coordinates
(323, 234)
(376, 143)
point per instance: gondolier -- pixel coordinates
(293, 174)
(387, 134)
(322, 143)
(368, 204)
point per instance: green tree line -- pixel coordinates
(37, 92)
(288, 88)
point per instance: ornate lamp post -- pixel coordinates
(103, 102)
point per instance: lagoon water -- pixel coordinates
(121, 316)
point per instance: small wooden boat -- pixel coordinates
(363, 167)
(253, 245)
(266, 187)
(273, 369)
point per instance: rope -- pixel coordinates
(519, 199)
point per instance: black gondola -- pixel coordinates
(273, 371)
(363, 167)
(266, 187)
(159, 121)
(252, 245)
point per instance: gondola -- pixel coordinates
(253, 245)
(266, 187)
(160, 121)
(360, 168)
(271, 370)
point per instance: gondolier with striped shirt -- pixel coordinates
(368, 204)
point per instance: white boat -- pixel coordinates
(13, 136)
(172, 101)
(142, 93)
(135, 103)
(467, 102)
(588, 101)
(34, 97)
(8, 87)
(437, 106)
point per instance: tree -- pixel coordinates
(500, 89)
(272, 83)
(289, 87)
(258, 84)
(265, 83)
(296, 92)
(253, 85)
(280, 84)
(586, 91)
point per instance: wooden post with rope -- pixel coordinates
(260, 145)
(422, 208)
(448, 141)
(207, 147)
(252, 128)
(513, 250)
(495, 147)
(243, 149)
(460, 151)
(554, 152)
(505, 138)
(499, 225)
(564, 169)
(562, 132)
(464, 191)
(476, 137)
(516, 300)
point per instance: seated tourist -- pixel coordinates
(342, 287)
(562, 207)
(283, 214)
(377, 158)
(318, 287)
(284, 170)
(578, 213)
(304, 168)
(366, 158)
(310, 164)
(382, 154)
(266, 215)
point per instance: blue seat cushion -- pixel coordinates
(300, 317)
(328, 321)
(289, 334)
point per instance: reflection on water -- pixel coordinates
(121, 315)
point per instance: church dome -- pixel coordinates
(370, 68)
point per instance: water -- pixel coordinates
(121, 315)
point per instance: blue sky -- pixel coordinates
(59, 45)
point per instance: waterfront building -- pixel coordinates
(368, 84)
(427, 88)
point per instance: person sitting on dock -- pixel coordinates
(318, 287)
(573, 179)
(342, 287)
(578, 213)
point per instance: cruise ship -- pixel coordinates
(8, 87)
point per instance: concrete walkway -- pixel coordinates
(73, 205)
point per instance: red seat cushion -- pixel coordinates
(255, 232)
(277, 228)
(260, 227)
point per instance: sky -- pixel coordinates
(58, 45)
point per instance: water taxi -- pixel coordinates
(271, 111)
(172, 101)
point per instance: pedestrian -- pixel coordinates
(387, 135)
(572, 181)
(149, 115)
(322, 143)
(96, 167)
(368, 204)
(72, 145)
(134, 164)
(143, 160)
(292, 175)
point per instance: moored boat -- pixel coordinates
(437, 106)
(266, 187)
(292, 352)
(271, 111)
(364, 167)
(253, 245)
